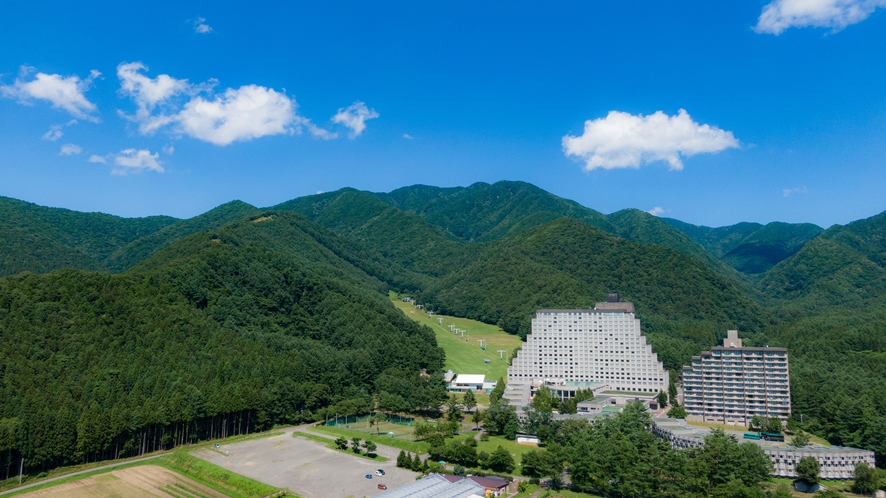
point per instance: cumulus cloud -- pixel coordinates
(55, 132)
(136, 161)
(70, 150)
(64, 92)
(656, 211)
(622, 140)
(248, 112)
(168, 150)
(201, 27)
(148, 92)
(790, 191)
(354, 117)
(240, 114)
(780, 15)
(407, 136)
(97, 159)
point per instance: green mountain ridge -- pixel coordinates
(265, 281)
(750, 248)
(41, 239)
(257, 323)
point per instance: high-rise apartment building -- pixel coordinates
(732, 383)
(601, 345)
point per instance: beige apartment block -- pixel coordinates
(732, 383)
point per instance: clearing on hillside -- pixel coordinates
(132, 482)
(465, 356)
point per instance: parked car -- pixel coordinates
(369, 476)
(382, 486)
(379, 472)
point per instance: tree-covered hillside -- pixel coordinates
(144, 247)
(41, 239)
(685, 306)
(484, 212)
(751, 248)
(307, 280)
(222, 332)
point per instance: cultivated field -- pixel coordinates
(132, 482)
(465, 356)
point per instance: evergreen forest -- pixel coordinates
(123, 335)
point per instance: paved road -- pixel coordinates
(44, 481)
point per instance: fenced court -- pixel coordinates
(395, 426)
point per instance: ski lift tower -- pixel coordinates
(482, 345)
(501, 353)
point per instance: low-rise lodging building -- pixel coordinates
(436, 486)
(836, 462)
(730, 384)
(463, 382)
(601, 345)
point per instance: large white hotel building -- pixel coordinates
(601, 345)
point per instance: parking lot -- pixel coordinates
(306, 467)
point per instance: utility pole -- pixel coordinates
(21, 468)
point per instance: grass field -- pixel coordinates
(411, 446)
(12, 482)
(466, 357)
(329, 443)
(176, 474)
(142, 480)
(516, 450)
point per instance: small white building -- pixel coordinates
(463, 382)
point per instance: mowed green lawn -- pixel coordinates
(516, 450)
(466, 357)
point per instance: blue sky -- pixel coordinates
(196, 104)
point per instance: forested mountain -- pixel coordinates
(484, 212)
(750, 248)
(258, 323)
(142, 248)
(297, 293)
(684, 304)
(41, 239)
(844, 266)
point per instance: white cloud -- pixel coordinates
(314, 129)
(656, 211)
(97, 159)
(201, 27)
(70, 150)
(622, 140)
(780, 15)
(248, 112)
(55, 132)
(354, 117)
(135, 161)
(168, 150)
(407, 136)
(148, 93)
(796, 190)
(63, 92)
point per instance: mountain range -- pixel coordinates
(305, 282)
